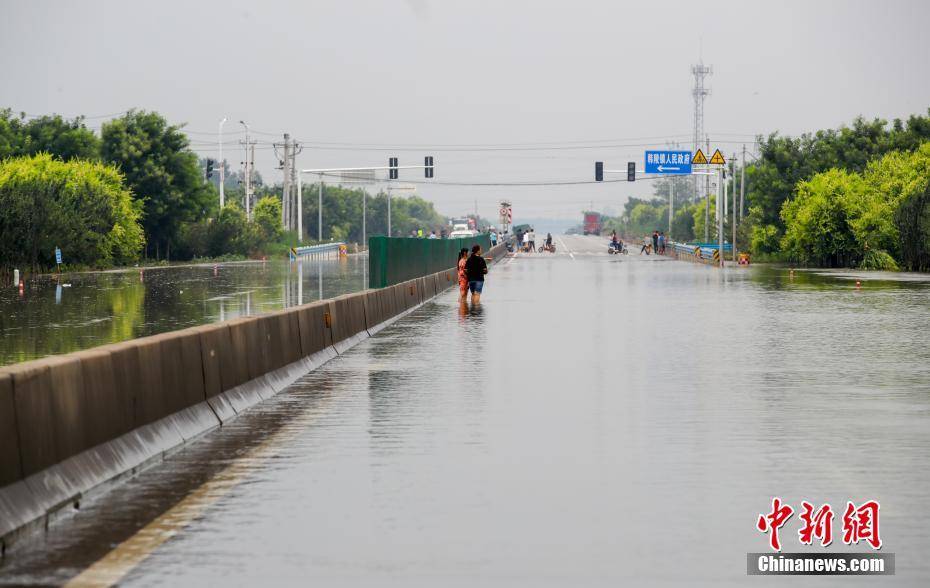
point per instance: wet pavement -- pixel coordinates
(598, 420)
(82, 310)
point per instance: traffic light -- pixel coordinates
(209, 168)
(428, 166)
(392, 168)
(631, 171)
(598, 171)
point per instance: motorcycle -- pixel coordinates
(550, 248)
(618, 249)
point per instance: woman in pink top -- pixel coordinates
(463, 281)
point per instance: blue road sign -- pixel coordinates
(668, 162)
(58, 256)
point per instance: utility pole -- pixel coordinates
(671, 204)
(222, 167)
(249, 158)
(286, 185)
(296, 206)
(300, 208)
(707, 202)
(721, 195)
(734, 207)
(251, 169)
(742, 183)
(319, 212)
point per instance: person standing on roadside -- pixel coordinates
(463, 279)
(662, 243)
(655, 241)
(532, 243)
(526, 241)
(475, 269)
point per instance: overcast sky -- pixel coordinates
(425, 75)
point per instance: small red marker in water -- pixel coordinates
(22, 287)
(858, 284)
(216, 270)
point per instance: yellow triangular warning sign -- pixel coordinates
(699, 158)
(717, 158)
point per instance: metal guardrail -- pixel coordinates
(323, 250)
(700, 250)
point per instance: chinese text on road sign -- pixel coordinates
(668, 162)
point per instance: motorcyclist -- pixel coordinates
(615, 242)
(549, 241)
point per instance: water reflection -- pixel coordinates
(73, 312)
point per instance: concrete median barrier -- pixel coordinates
(69, 409)
(290, 331)
(192, 366)
(312, 327)
(69, 423)
(107, 414)
(271, 331)
(11, 468)
(124, 357)
(247, 347)
(348, 321)
(150, 397)
(372, 312)
(171, 391)
(215, 355)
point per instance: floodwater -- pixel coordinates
(76, 311)
(597, 421)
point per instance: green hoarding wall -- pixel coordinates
(392, 260)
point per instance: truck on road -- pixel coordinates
(592, 223)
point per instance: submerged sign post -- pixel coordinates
(668, 162)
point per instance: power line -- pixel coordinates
(501, 183)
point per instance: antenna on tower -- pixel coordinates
(699, 92)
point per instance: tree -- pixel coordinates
(65, 139)
(819, 219)
(161, 171)
(903, 179)
(82, 207)
(786, 161)
(267, 217)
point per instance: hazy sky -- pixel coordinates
(425, 75)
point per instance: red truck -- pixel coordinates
(592, 223)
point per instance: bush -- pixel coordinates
(82, 207)
(877, 259)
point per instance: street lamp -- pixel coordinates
(222, 167)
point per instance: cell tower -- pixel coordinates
(699, 92)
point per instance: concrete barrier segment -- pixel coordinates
(106, 411)
(11, 468)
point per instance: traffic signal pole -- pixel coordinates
(392, 168)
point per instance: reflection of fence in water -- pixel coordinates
(326, 250)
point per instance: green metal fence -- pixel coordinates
(392, 260)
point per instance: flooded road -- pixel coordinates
(77, 311)
(598, 420)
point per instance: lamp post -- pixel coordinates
(222, 168)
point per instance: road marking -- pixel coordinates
(114, 566)
(570, 254)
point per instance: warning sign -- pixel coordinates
(699, 158)
(717, 158)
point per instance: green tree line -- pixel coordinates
(852, 196)
(137, 190)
